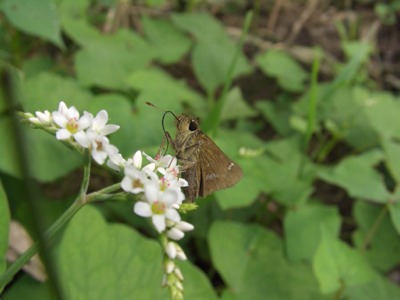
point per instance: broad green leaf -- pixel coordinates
(288, 167)
(25, 287)
(108, 60)
(197, 286)
(169, 42)
(8, 151)
(112, 261)
(49, 158)
(236, 107)
(278, 113)
(102, 261)
(251, 262)
(302, 230)
(358, 177)
(391, 148)
(164, 90)
(382, 111)
(379, 288)
(46, 90)
(394, 210)
(336, 265)
(4, 228)
(384, 247)
(36, 17)
(288, 72)
(214, 51)
(252, 183)
(211, 61)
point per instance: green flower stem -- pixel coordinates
(79, 202)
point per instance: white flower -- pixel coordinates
(176, 230)
(173, 251)
(70, 124)
(160, 162)
(99, 124)
(159, 205)
(101, 149)
(44, 117)
(116, 162)
(135, 179)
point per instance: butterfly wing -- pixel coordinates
(218, 171)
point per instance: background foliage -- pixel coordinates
(314, 125)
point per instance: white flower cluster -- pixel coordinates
(160, 186)
(88, 131)
(157, 183)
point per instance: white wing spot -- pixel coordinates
(230, 166)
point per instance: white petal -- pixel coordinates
(170, 249)
(149, 168)
(44, 118)
(170, 196)
(82, 139)
(59, 119)
(179, 253)
(126, 184)
(63, 134)
(62, 108)
(137, 159)
(101, 119)
(172, 214)
(142, 209)
(85, 121)
(169, 266)
(99, 156)
(110, 128)
(184, 226)
(178, 273)
(175, 234)
(159, 222)
(151, 191)
(72, 113)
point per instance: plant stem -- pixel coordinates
(213, 119)
(372, 231)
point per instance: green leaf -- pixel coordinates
(302, 230)
(108, 60)
(236, 107)
(277, 113)
(213, 52)
(358, 177)
(169, 42)
(391, 148)
(36, 17)
(336, 265)
(252, 183)
(394, 209)
(384, 247)
(288, 167)
(8, 151)
(379, 288)
(284, 68)
(4, 228)
(46, 90)
(25, 287)
(197, 286)
(49, 158)
(102, 261)
(251, 262)
(98, 260)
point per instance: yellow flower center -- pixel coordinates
(72, 125)
(158, 208)
(137, 183)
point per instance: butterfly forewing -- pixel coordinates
(217, 170)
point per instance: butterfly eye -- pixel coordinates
(193, 125)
